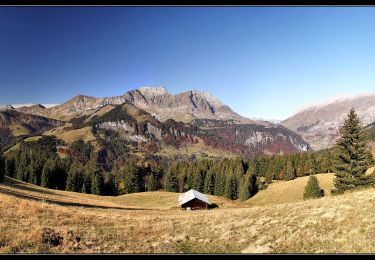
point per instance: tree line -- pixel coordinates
(84, 170)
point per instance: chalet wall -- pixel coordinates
(195, 204)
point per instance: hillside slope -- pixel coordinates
(335, 224)
(319, 124)
(14, 124)
(289, 191)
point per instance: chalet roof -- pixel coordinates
(190, 195)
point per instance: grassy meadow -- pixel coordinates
(33, 219)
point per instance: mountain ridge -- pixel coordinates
(184, 106)
(320, 125)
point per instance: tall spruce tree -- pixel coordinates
(170, 181)
(132, 178)
(151, 182)
(198, 179)
(312, 189)
(74, 180)
(248, 186)
(209, 182)
(352, 157)
(219, 186)
(231, 187)
(22, 167)
(290, 172)
(61, 171)
(48, 174)
(9, 167)
(96, 179)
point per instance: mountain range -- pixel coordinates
(313, 127)
(186, 106)
(205, 118)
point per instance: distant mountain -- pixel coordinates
(14, 123)
(319, 124)
(183, 107)
(30, 105)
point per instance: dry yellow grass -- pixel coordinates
(165, 200)
(198, 150)
(290, 191)
(27, 190)
(335, 224)
(18, 130)
(71, 136)
(58, 130)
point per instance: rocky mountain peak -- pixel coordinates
(207, 96)
(153, 91)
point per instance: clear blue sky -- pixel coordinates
(261, 61)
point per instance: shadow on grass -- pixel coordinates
(23, 186)
(61, 203)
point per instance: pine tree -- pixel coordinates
(97, 183)
(198, 180)
(170, 181)
(61, 171)
(352, 157)
(96, 179)
(248, 187)
(22, 170)
(93, 179)
(115, 172)
(219, 186)
(132, 178)
(151, 184)
(290, 172)
(209, 182)
(312, 189)
(9, 167)
(231, 187)
(74, 180)
(33, 177)
(48, 174)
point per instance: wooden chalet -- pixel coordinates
(193, 199)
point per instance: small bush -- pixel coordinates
(312, 189)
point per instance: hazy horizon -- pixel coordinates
(263, 62)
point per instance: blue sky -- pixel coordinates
(261, 61)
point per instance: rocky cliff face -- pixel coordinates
(320, 124)
(137, 125)
(251, 139)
